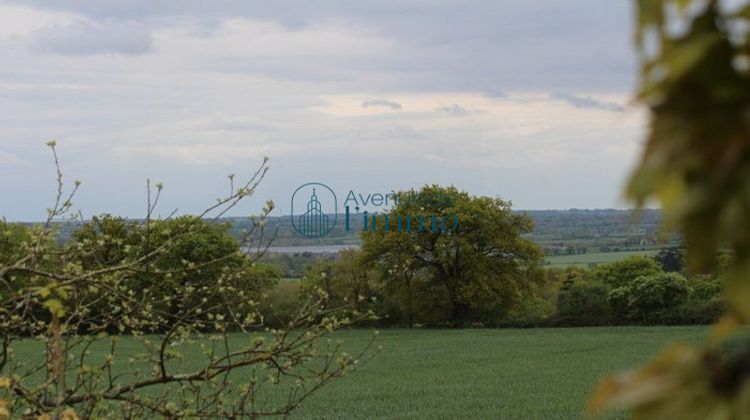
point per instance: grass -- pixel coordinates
(584, 260)
(529, 374)
(479, 373)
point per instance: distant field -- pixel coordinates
(593, 258)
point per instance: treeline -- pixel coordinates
(483, 272)
(634, 291)
(487, 272)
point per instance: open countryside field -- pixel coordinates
(478, 373)
(513, 374)
(584, 260)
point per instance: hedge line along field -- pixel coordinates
(470, 373)
(584, 260)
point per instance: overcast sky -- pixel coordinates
(525, 100)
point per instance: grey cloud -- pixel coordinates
(587, 103)
(495, 94)
(381, 102)
(548, 46)
(576, 45)
(84, 37)
(458, 110)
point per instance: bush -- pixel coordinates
(281, 303)
(624, 272)
(531, 312)
(583, 303)
(198, 261)
(707, 289)
(650, 299)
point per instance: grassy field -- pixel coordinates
(515, 374)
(480, 373)
(583, 260)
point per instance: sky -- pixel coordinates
(529, 101)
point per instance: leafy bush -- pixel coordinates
(200, 260)
(583, 303)
(650, 299)
(623, 272)
(280, 303)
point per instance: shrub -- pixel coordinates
(650, 299)
(707, 289)
(583, 303)
(622, 273)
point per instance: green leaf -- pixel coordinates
(55, 307)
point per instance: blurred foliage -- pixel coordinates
(695, 81)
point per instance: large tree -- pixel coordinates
(468, 249)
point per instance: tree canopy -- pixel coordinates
(623, 272)
(478, 260)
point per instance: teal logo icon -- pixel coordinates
(314, 209)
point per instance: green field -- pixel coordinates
(515, 374)
(583, 260)
(473, 373)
